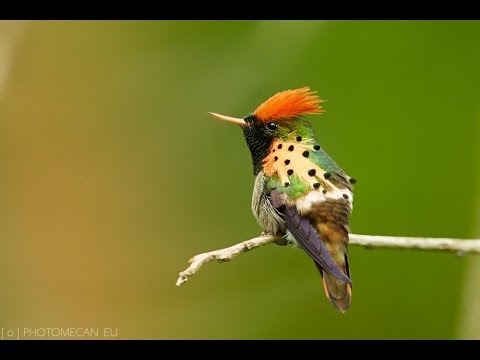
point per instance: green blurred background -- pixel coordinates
(112, 175)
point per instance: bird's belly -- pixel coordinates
(267, 216)
(304, 203)
(267, 220)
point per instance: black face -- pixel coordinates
(259, 137)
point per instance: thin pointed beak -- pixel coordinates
(237, 121)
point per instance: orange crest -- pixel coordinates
(288, 104)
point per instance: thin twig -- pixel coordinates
(459, 246)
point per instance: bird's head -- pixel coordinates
(278, 118)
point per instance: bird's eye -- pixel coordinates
(272, 126)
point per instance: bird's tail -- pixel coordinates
(339, 293)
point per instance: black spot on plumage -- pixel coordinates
(345, 196)
(287, 184)
(275, 158)
(290, 172)
(312, 172)
(327, 175)
(316, 147)
(316, 185)
(299, 138)
(352, 181)
(290, 148)
(306, 153)
(287, 162)
(279, 146)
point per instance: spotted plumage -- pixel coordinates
(300, 193)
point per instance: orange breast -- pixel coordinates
(289, 157)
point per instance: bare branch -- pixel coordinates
(459, 246)
(223, 255)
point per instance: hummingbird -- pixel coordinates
(300, 194)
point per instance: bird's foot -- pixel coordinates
(283, 241)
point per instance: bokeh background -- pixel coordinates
(112, 175)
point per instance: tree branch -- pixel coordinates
(459, 246)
